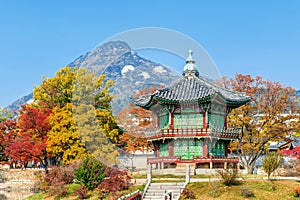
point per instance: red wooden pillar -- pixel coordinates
(205, 119)
(172, 121)
(225, 123)
(171, 148)
(226, 149)
(156, 147)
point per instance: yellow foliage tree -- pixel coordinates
(70, 92)
(63, 138)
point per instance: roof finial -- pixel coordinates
(190, 58)
(190, 68)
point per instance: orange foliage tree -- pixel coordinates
(135, 121)
(271, 115)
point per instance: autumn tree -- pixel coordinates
(63, 138)
(27, 140)
(135, 121)
(269, 116)
(71, 91)
(93, 117)
(56, 91)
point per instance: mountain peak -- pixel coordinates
(103, 55)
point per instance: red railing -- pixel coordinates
(232, 133)
(196, 159)
(133, 196)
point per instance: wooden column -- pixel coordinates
(210, 165)
(226, 149)
(225, 165)
(171, 148)
(156, 146)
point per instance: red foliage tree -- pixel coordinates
(27, 141)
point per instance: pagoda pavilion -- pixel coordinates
(192, 121)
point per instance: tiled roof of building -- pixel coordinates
(187, 89)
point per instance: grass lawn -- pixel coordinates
(262, 189)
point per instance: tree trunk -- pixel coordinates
(45, 163)
(249, 168)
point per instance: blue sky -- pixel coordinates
(249, 37)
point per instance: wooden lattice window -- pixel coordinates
(187, 148)
(188, 121)
(164, 149)
(216, 121)
(216, 148)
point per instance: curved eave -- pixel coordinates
(219, 99)
(177, 101)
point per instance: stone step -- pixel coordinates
(157, 190)
(168, 183)
(155, 193)
(166, 186)
(159, 197)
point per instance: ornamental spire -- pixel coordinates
(190, 68)
(190, 58)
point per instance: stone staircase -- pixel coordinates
(181, 169)
(156, 191)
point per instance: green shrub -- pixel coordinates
(90, 173)
(271, 162)
(229, 176)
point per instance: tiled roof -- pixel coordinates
(192, 88)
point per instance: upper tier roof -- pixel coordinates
(192, 88)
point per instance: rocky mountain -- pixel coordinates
(123, 65)
(15, 106)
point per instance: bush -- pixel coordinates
(188, 194)
(116, 180)
(90, 173)
(271, 162)
(297, 191)
(58, 191)
(81, 192)
(61, 175)
(229, 176)
(57, 179)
